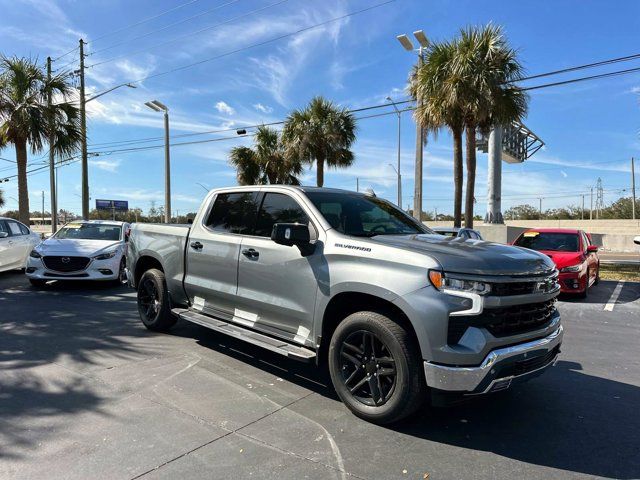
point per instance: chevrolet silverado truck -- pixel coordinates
(347, 280)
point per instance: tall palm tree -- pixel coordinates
(486, 67)
(435, 88)
(322, 133)
(267, 162)
(26, 121)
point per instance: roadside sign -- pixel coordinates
(119, 205)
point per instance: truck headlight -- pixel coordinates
(572, 268)
(443, 282)
(35, 254)
(106, 255)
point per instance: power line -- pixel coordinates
(173, 40)
(64, 54)
(581, 67)
(166, 27)
(582, 79)
(145, 20)
(265, 42)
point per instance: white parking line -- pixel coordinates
(614, 297)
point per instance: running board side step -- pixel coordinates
(270, 343)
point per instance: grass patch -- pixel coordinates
(620, 272)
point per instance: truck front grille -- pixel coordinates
(504, 321)
(513, 288)
(65, 264)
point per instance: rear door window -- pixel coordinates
(3, 227)
(233, 213)
(15, 229)
(23, 229)
(278, 208)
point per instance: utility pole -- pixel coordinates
(540, 208)
(52, 167)
(43, 207)
(167, 170)
(591, 209)
(582, 211)
(357, 184)
(83, 134)
(417, 194)
(633, 190)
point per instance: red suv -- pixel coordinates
(572, 252)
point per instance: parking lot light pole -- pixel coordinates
(417, 194)
(395, 107)
(156, 106)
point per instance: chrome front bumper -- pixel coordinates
(487, 377)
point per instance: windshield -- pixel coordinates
(364, 216)
(90, 231)
(559, 242)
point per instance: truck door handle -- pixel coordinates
(251, 253)
(196, 245)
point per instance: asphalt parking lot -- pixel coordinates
(87, 392)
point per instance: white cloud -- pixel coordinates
(106, 165)
(262, 108)
(224, 107)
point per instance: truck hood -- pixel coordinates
(74, 247)
(472, 256)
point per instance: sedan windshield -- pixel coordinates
(364, 216)
(90, 231)
(559, 242)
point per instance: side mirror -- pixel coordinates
(189, 221)
(290, 234)
(4, 234)
(592, 249)
(636, 240)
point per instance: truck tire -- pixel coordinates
(376, 368)
(153, 301)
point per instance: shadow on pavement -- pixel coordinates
(601, 293)
(565, 420)
(45, 335)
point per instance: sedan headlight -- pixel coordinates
(442, 282)
(106, 255)
(572, 268)
(35, 254)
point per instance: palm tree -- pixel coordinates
(322, 133)
(435, 88)
(27, 121)
(267, 162)
(487, 67)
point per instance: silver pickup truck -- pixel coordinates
(350, 281)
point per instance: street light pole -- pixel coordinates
(417, 195)
(156, 106)
(83, 134)
(395, 107)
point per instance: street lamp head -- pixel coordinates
(153, 106)
(160, 105)
(389, 98)
(422, 38)
(130, 85)
(405, 42)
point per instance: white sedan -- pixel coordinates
(16, 241)
(83, 250)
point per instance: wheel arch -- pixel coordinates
(343, 304)
(144, 263)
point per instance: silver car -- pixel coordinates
(16, 241)
(345, 279)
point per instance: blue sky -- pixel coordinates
(590, 129)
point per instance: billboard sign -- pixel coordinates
(119, 205)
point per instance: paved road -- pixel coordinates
(87, 392)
